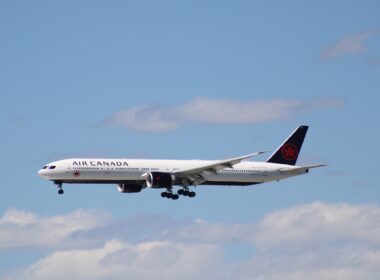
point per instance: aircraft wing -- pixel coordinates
(194, 175)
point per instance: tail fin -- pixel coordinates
(288, 152)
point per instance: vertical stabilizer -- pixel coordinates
(288, 152)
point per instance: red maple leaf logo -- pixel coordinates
(289, 152)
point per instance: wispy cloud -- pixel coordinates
(350, 44)
(311, 224)
(21, 229)
(311, 241)
(215, 111)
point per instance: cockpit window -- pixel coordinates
(45, 167)
(52, 167)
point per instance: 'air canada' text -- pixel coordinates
(99, 163)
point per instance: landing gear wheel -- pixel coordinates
(170, 195)
(59, 186)
(186, 192)
(164, 194)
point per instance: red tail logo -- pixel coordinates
(289, 152)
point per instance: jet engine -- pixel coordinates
(159, 180)
(127, 188)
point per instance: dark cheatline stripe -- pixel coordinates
(219, 183)
(225, 183)
(78, 181)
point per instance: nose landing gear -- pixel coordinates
(59, 186)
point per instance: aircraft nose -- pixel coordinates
(42, 173)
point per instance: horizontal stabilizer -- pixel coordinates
(300, 169)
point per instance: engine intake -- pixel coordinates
(127, 188)
(159, 180)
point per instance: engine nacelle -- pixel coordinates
(159, 180)
(130, 188)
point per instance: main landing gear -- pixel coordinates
(170, 194)
(59, 186)
(186, 192)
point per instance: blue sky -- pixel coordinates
(188, 79)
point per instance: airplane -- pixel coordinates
(134, 175)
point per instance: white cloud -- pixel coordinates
(319, 222)
(144, 118)
(170, 260)
(350, 44)
(24, 229)
(215, 111)
(118, 260)
(336, 263)
(312, 241)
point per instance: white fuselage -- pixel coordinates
(85, 170)
(133, 175)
